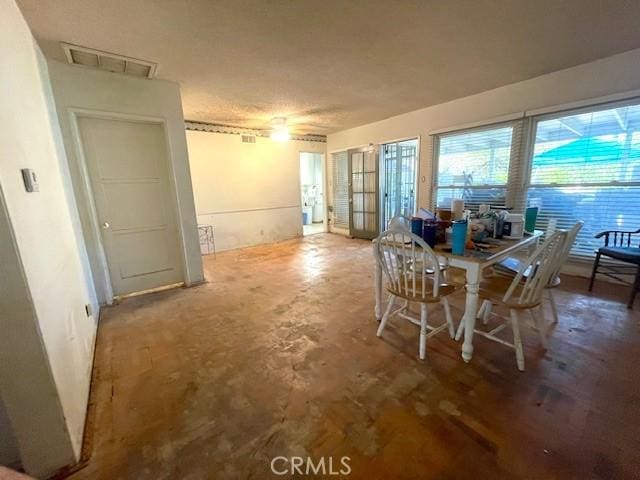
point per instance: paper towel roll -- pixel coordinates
(457, 208)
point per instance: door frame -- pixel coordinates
(99, 266)
(382, 182)
(325, 185)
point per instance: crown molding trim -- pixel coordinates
(230, 130)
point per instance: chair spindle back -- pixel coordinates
(537, 270)
(617, 238)
(408, 263)
(572, 233)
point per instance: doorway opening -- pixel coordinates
(399, 160)
(312, 192)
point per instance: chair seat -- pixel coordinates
(494, 288)
(443, 291)
(625, 254)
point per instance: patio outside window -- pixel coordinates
(586, 166)
(475, 165)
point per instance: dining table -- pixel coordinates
(473, 262)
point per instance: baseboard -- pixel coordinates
(89, 422)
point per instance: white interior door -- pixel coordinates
(128, 167)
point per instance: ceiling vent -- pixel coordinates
(248, 138)
(110, 62)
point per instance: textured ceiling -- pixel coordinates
(334, 64)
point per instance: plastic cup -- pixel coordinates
(429, 231)
(530, 217)
(416, 226)
(458, 237)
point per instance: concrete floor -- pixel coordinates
(312, 229)
(277, 356)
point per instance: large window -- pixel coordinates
(586, 166)
(474, 165)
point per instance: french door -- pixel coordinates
(363, 193)
(399, 183)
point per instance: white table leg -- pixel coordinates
(470, 310)
(377, 281)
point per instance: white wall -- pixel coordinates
(250, 193)
(46, 345)
(9, 454)
(76, 87)
(613, 75)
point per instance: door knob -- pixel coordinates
(105, 225)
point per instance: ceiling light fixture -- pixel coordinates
(279, 129)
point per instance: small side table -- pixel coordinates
(205, 235)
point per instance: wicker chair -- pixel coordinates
(624, 247)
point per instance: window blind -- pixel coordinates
(340, 169)
(479, 166)
(585, 166)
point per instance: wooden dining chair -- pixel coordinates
(413, 276)
(404, 223)
(624, 248)
(511, 266)
(521, 293)
(554, 280)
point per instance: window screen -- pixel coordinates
(586, 166)
(474, 165)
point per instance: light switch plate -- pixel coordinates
(30, 180)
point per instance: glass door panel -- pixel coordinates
(363, 173)
(399, 183)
